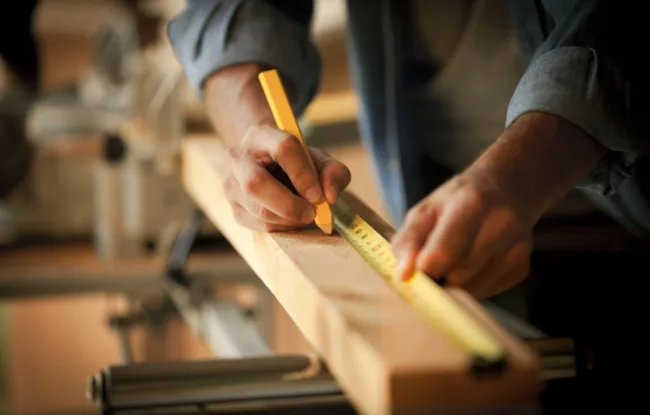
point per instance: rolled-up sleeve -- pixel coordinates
(209, 35)
(585, 73)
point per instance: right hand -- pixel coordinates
(252, 177)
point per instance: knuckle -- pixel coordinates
(287, 146)
(253, 184)
(265, 214)
(411, 214)
(294, 211)
(319, 155)
(287, 210)
(419, 210)
(231, 153)
(474, 198)
(509, 216)
(454, 278)
(238, 212)
(304, 179)
(319, 152)
(252, 132)
(257, 210)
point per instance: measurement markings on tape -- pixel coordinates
(423, 294)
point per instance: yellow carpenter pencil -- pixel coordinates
(286, 121)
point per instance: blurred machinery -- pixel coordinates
(106, 148)
(138, 194)
(129, 108)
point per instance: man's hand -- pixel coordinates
(467, 233)
(475, 231)
(261, 172)
(263, 166)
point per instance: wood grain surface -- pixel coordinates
(381, 352)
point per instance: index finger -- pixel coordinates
(288, 152)
(410, 238)
(259, 185)
(450, 239)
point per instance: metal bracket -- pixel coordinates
(222, 324)
(181, 248)
(229, 331)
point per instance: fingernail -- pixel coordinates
(405, 267)
(313, 195)
(309, 215)
(337, 192)
(400, 269)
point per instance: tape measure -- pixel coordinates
(421, 292)
(430, 300)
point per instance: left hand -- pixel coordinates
(468, 232)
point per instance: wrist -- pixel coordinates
(537, 161)
(235, 101)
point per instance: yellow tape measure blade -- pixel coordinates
(430, 300)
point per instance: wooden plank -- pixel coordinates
(384, 356)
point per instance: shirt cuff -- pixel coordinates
(212, 35)
(567, 82)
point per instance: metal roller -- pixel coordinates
(260, 385)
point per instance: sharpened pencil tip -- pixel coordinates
(324, 218)
(325, 227)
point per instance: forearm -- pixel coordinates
(589, 72)
(226, 43)
(235, 101)
(538, 160)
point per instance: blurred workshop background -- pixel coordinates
(86, 233)
(95, 226)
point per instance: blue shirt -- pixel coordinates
(582, 65)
